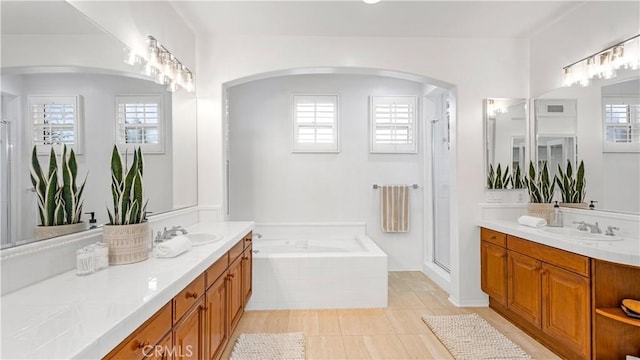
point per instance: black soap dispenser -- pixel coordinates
(556, 219)
(592, 206)
(93, 223)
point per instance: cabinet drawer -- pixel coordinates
(218, 268)
(494, 237)
(145, 337)
(573, 262)
(187, 297)
(248, 239)
(236, 250)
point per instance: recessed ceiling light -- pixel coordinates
(371, 1)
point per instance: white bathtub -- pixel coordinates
(317, 267)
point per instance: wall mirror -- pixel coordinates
(600, 125)
(68, 56)
(505, 128)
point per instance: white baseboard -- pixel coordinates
(471, 303)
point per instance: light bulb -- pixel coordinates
(371, 1)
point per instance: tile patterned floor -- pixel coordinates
(396, 332)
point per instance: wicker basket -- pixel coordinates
(127, 243)
(582, 205)
(541, 210)
(46, 232)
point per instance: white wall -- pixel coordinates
(133, 21)
(98, 104)
(589, 28)
(96, 51)
(269, 183)
(480, 68)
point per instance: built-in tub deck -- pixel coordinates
(317, 267)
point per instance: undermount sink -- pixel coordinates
(203, 238)
(576, 234)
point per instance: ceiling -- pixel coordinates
(392, 18)
(44, 17)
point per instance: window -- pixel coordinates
(621, 118)
(55, 121)
(315, 123)
(393, 124)
(139, 123)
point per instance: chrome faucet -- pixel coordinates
(584, 226)
(610, 230)
(168, 234)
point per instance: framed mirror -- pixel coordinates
(505, 128)
(604, 132)
(69, 57)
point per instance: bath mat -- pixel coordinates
(471, 337)
(286, 346)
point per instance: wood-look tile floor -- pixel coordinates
(396, 332)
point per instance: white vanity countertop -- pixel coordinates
(626, 251)
(85, 317)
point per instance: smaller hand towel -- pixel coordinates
(532, 221)
(172, 247)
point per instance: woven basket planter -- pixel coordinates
(46, 232)
(127, 243)
(575, 205)
(541, 210)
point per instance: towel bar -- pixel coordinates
(414, 186)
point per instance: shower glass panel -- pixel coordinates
(441, 168)
(4, 175)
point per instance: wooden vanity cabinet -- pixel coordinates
(524, 287)
(188, 333)
(198, 322)
(547, 291)
(615, 335)
(235, 299)
(493, 255)
(142, 342)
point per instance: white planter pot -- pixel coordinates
(127, 243)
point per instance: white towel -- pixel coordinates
(532, 221)
(394, 208)
(172, 247)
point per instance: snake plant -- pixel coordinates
(517, 181)
(572, 188)
(497, 179)
(127, 190)
(59, 202)
(539, 185)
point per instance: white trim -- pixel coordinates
(437, 275)
(470, 303)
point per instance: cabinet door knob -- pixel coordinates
(142, 344)
(231, 276)
(191, 295)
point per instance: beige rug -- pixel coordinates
(286, 346)
(470, 337)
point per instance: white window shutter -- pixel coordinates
(315, 123)
(55, 121)
(621, 121)
(140, 123)
(393, 124)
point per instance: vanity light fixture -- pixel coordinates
(604, 64)
(163, 66)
